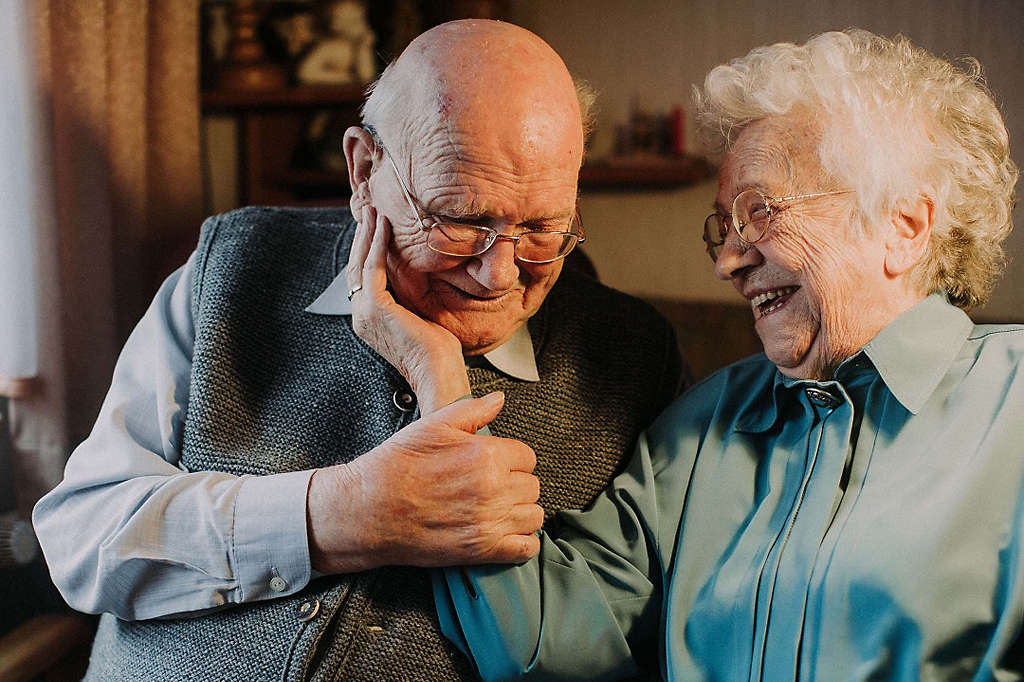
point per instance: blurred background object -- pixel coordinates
(245, 67)
(18, 544)
(343, 53)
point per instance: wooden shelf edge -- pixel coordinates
(645, 174)
(298, 96)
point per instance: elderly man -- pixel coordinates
(847, 505)
(254, 453)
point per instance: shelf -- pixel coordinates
(644, 174)
(299, 96)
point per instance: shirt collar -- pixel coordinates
(514, 358)
(914, 351)
(911, 354)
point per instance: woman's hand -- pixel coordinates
(425, 353)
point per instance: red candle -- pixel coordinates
(678, 131)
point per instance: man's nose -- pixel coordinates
(496, 268)
(736, 255)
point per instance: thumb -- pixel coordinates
(472, 414)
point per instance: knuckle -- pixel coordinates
(530, 456)
(534, 488)
(536, 517)
(528, 547)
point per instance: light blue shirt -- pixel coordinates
(767, 528)
(129, 532)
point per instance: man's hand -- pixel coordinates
(434, 494)
(425, 353)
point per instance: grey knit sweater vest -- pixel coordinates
(277, 389)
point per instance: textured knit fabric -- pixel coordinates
(866, 527)
(277, 389)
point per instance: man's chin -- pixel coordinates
(481, 345)
(482, 340)
(479, 332)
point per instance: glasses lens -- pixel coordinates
(750, 212)
(543, 247)
(459, 240)
(715, 230)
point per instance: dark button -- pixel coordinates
(404, 401)
(821, 398)
(307, 610)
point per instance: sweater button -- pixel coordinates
(404, 401)
(307, 610)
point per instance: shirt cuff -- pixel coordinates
(497, 640)
(270, 550)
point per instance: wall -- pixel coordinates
(655, 51)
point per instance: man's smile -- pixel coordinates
(476, 299)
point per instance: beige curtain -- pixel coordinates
(118, 93)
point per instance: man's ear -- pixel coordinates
(911, 230)
(359, 149)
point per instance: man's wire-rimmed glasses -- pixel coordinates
(464, 240)
(751, 216)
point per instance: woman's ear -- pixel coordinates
(359, 149)
(908, 239)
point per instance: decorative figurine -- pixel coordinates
(345, 55)
(219, 35)
(290, 29)
(246, 66)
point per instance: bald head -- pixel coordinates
(477, 77)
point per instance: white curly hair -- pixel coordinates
(898, 124)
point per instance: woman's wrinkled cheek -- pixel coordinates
(831, 281)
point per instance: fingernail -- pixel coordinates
(495, 397)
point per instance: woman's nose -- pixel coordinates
(735, 255)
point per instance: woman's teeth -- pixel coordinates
(763, 303)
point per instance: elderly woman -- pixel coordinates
(850, 503)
